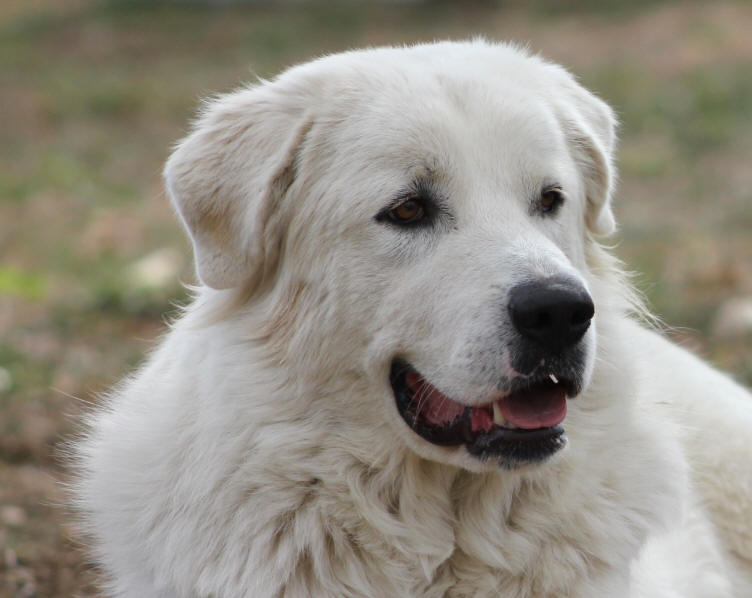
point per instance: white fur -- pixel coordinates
(259, 452)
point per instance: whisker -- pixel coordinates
(422, 396)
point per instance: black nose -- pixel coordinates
(554, 312)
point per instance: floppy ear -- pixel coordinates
(227, 176)
(590, 126)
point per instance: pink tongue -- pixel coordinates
(535, 408)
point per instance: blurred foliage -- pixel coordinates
(23, 284)
(93, 94)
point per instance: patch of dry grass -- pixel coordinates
(92, 95)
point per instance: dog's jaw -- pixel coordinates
(522, 427)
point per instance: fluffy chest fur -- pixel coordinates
(460, 536)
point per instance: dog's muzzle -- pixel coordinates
(522, 424)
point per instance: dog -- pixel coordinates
(412, 368)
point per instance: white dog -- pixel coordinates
(411, 370)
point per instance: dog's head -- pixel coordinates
(418, 219)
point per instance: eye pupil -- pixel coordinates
(550, 199)
(407, 211)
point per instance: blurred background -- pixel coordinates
(93, 94)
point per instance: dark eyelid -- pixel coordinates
(537, 208)
(398, 200)
(421, 192)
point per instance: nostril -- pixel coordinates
(583, 314)
(535, 319)
(543, 319)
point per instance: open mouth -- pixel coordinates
(522, 425)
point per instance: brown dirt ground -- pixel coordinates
(92, 95)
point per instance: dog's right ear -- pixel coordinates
(227, 176)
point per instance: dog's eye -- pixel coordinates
(416, 207)
(550, 199)
(409, 211)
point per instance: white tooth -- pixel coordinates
(554, 379)
(498, 417)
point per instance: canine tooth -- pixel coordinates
(554, 379)
(498, 417)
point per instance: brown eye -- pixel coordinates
(415, 208)
(551, 199)
(408, 211)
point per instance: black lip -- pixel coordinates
(512, 448)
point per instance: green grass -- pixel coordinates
(93, 94)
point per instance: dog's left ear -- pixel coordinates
(590, 126)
